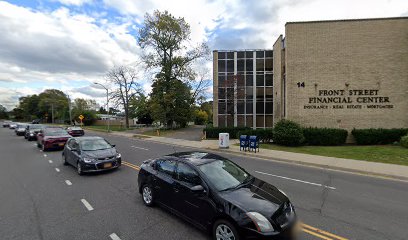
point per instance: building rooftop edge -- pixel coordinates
(349, 20)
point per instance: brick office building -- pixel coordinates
(342, 74)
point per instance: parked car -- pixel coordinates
(32, 130)
(52, 138)
(12, 125)
(36, 121)
(20, 129)
(75, 131)
(217, 195)
(6, 124)
(91, 154)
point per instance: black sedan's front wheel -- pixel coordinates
(147, 195)
(224, 230)
(64, 159)
(79, 169)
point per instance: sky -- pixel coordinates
(70, 44)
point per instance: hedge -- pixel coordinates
(374, 136)
(212, 132)
(324, 136)
(404, 141)
(288, 133)
(264, 135)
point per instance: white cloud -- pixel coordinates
(73, 2)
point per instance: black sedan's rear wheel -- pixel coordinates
(64, 159)
(147, 195)
(224, 230)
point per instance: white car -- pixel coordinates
(13, 125)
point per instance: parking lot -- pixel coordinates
(43, 199)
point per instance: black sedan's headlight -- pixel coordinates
(88, 159)
(261, 222)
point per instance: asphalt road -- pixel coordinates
(42, 199)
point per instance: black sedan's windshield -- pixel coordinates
(94, 144)
(224, 174)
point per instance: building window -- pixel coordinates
(241, 54)
(260, 121)
(249, 79)
(230, 66)
(241, 121)
(249, 65)
(221, 66)
(259, 65)
(268, 121)
(249, 54)
(249, 107)
(222, 107)
(221, 80)
(268, 54)
(221, 121)
(260, 54)
(240, 65)
(268, 107)
(240, 107)
(221, 93)
(230, 55)
(260, 80)
(269, 65)
(260, 108)
(268, 80)
(222, 55)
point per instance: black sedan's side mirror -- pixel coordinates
(113, 145)
(197, 189)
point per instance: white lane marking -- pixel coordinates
(57, 169)
(87, 205)
(45, 155)
(297, 180)
(50, 161)
(140, 148)
(69, 183)
(114, 236)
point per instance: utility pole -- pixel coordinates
(107, 103)
(70, 110)
(52, 112)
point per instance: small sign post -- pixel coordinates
(81, 117)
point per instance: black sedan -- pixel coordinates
(75, 131)
(217, 195)
(91, 154)
(32, 130)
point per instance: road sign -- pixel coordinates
(81, 117)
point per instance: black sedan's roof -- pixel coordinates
(87, 138)
(196, 157)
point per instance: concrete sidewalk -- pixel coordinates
(356, 166)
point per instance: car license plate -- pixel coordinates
(107, 165)
(61, 144)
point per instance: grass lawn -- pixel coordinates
(378, 153)
(104, 128)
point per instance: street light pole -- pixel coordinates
(107, 103)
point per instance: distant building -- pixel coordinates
(343, 74)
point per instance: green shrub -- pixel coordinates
(264, 135)
(212, 132)
(378, 135)
(288, 133)
(325, 136)
(404, 141)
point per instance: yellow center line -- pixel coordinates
(131, 165)
(316, 234)
(319, 231)
(305, 228)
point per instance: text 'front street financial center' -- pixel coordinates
(342, 74)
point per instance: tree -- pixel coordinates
(200, 117)
(164, 39)
(29, 105)
(84, 107)
(139, 108)
(3, 112)
(54, 104)
(102, 111)
(123, 78)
